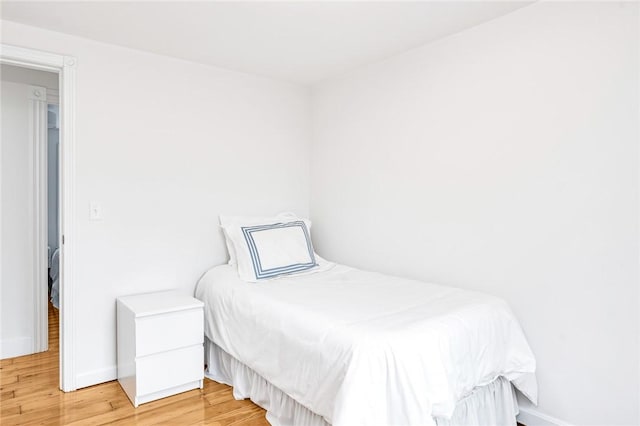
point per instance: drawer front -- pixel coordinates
(168, 369)
(164, 332)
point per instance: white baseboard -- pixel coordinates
(95, 377)
(530, 416)
(17, 346)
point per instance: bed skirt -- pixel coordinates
(493, 404)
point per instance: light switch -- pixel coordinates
(95, 211)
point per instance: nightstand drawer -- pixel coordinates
(159, 333)
(168, 369)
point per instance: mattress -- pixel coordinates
(357, 347)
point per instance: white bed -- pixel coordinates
(349, 347)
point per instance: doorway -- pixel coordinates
(51, 110)
(26, 250)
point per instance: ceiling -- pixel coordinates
(302, 41)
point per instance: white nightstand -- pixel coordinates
(160, 345)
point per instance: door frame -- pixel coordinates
(38, 169)
(65, 67)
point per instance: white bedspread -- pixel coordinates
(363, 348)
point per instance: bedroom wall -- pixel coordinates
(165, 146)
(503, 159)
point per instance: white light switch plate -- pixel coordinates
(95, 211)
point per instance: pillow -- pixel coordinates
(267, 248)
(230, 249)
(249, 219)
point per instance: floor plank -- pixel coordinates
(29, 394)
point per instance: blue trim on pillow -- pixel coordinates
(261, 273)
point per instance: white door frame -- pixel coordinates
(65, 66)
(38, 164)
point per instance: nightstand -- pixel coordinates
(160, 345)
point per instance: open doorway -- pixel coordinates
(50, 116)
(29, 207)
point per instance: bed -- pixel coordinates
(336, 345)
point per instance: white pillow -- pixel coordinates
(266, 248)
(230, 220)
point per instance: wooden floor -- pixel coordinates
(30, 395)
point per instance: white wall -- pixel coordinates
(503, 159)
(165, 146)
(17, 245)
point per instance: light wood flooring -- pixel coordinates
(29, 395)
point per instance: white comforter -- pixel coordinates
(365, 348)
